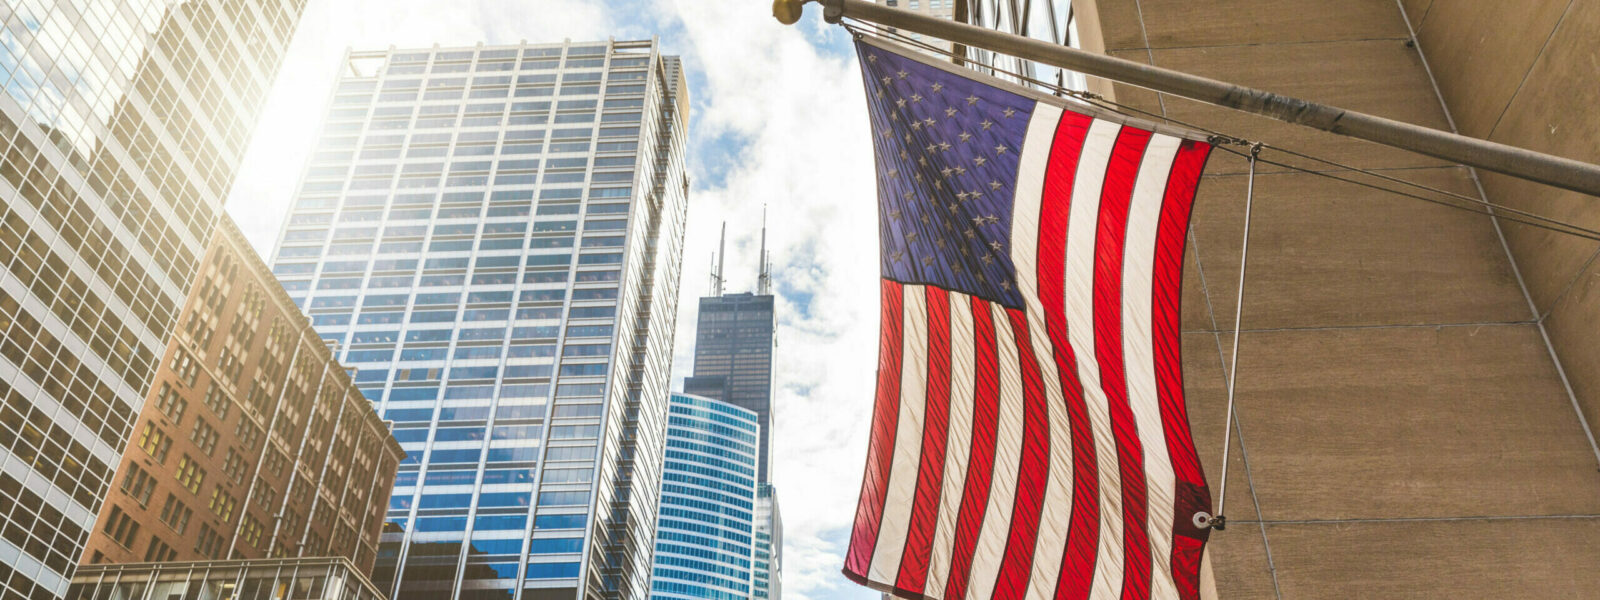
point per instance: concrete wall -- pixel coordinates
(1525, 74)
(1402, 430)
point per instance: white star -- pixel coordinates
(945, 146)
(916, 98)
(962, 196)
(894, 214)
(961, 170)
(872, 58)
(916, 125)
(949, 112)
(994, 185)
(987, 124)
(927, 260)
(1001, 149)
(900, 103)
(979, 160)
(965, 136)
(996, 245)
(937, 87)
(885, 80)
(971, 100)
(947, 171)
(929, 121)
(902, 74)
(1008, 112)
(894, 173)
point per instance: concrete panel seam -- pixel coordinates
(1372, 326)
(1244, 456)
(1533, 309)
(1525, 74)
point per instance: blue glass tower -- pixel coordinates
(492, 235)
(705, 540)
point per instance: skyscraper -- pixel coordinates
(493, 235)
(705, 537)
(733, 362)
(252, 441)
(122, 123)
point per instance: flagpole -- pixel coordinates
(1509, 160)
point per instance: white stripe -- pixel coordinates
(1081, 226)
(991, 547)
(958, 445)
(902, 488)
(1055, 518)
(1138, 353)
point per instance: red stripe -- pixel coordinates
(930, 472)
(1191, 493)
(1110, 235)
(980, 467)
(1033, 470)
(1083, 537)
(880, 449)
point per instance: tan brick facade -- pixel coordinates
(252, 441)
(1402, 431)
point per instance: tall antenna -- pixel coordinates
(764, 279)
(716, 271)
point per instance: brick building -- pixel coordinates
(252, 441)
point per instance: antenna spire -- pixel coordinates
(716, 271)
(764, 278)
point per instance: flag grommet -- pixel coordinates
(1202, 520)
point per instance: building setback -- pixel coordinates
(121, 127)
(705, 537)
(253, 442)
(492, 235)
(733, 359)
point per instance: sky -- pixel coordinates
(778, 122)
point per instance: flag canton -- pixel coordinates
(947, 149)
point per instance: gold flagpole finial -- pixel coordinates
(787, 11)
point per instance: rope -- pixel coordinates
(1223, 140)
(1220, 522)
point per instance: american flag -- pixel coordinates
(1029, 437)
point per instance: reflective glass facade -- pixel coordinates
(121, 127)
(705, 537)
(492, 236)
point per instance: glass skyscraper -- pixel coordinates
(492, 235)
(733, 359)
(705, 537)
(122, 123)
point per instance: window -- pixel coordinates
(159, 551)
(218, 402)
(189, 474)
(121, 527)
(221, 504)
(204, 436)
(175, 514)
(210, 542)
(155, 442)
(171, 403)
(138, 484)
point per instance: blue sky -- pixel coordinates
(777, 121)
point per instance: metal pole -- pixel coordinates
(1517, 162)
(1221, 520)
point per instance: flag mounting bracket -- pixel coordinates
(1526, 164)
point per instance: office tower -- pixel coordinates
(492, 235)
(733, 358)
(121, 127)
(769, 545)
(705, 537)
(252, 442)
(323, 578)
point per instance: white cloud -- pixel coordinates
(797, 116)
